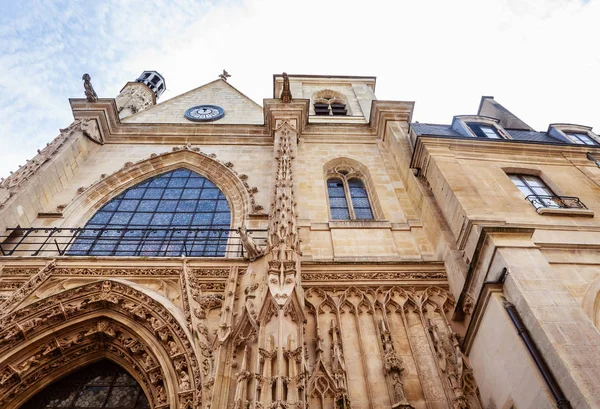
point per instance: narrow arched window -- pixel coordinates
(360, 199)
(96, 386)
(337, 200)
(348, 197)
(177, 213)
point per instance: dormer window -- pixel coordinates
(484, 130)
(575, 134)
(477, 126)
(580, 138)
(329, 103)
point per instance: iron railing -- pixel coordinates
(555, 202)
(148, 242)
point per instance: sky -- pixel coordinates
(539, 58)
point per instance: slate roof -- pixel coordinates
(446, 130)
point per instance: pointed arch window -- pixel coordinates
(348, 197)
(177, 213)
(98, 386)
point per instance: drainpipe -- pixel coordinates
(561, 401)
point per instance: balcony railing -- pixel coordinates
(555, 202)
(126, 242)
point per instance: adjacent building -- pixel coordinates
(318, 251)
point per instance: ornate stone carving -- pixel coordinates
(286, 93)
(394, 368)
(38, 317)
(90, 94)
(468, 304)
(253, 250)
(374, 276)
(24, 291)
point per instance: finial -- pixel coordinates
(89, 89)
(286, 93)
(224, 76)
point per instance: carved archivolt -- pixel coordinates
(103, 319)
(233, 185)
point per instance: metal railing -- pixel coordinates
(126, 242)
(555, 202)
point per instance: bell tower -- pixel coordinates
(142, 93)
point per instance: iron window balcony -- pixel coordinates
(126, 242)
(552, 204)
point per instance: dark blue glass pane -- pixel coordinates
(177, 182)
(340, 214)
(128, 205)
(186, 206)
(134, 193)
(181, 173)
(141, 219)
(167, 206)
(172, 193)
(209, 193)
(171, 214)
(195, 182)
(111, 206)
(337, 202)
(159, 182)
(101, 217)
(147, 205)
(363, 213)
(153, 193)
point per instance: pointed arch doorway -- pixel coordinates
(100, 385)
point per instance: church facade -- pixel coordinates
(319, 251)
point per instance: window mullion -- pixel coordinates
(348, 198)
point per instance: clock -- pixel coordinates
(204, 113)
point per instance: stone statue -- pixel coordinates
(286, 93)
(89, 89)
(184, 382)
(253, 250)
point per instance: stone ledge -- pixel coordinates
(565, 212)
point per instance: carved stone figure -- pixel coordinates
(184, 381)
(89, 89)
(253, 250)
(286, 93)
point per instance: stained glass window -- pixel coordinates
(358, 207)
(176, 213)
(98, 386)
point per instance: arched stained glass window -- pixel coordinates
(348, 198)
(176, 213)
(98, 386)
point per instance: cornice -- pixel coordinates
(104, 111)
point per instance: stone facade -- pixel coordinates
(403, 310)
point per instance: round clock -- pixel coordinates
(204, 113)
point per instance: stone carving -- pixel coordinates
(134, 98)
(394, 368)
(468, 304)
(286, 93)
(24, 291)
(224, 75)
(90, 129)
(452, 362)
(90, 94)
(253, 250)
(35, 318)
(374, 276)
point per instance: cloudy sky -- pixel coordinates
(539, 58)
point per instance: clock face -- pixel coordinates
(204, 113)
